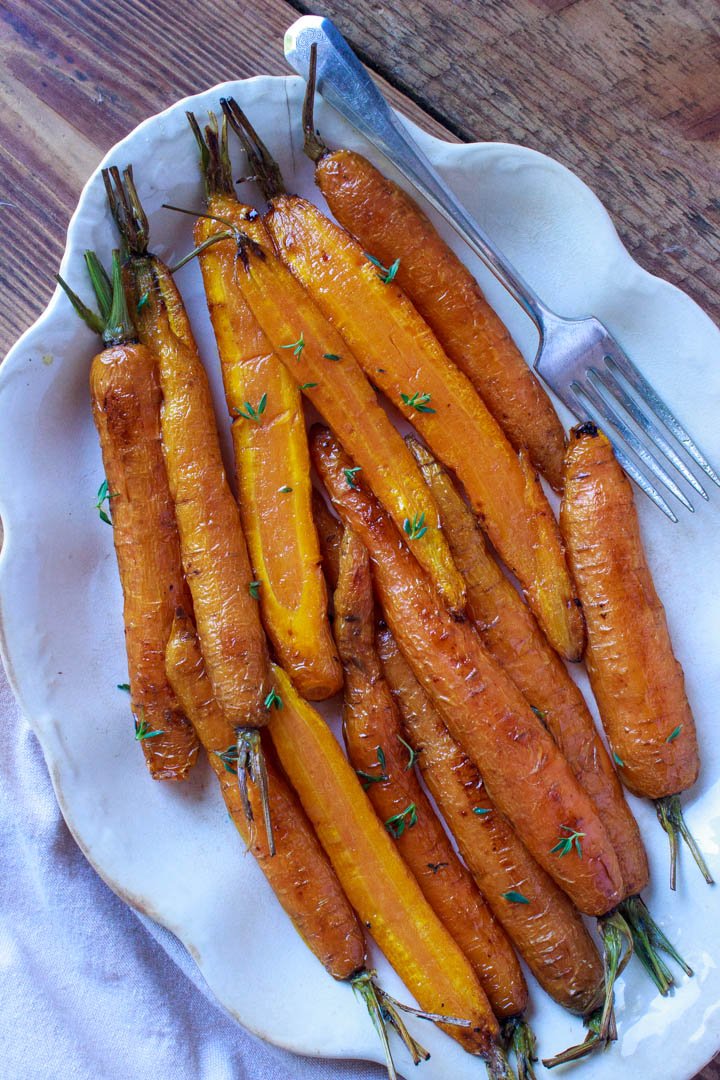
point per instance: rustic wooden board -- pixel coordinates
(625, 92)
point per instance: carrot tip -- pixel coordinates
(251, 767)
(670, 816)
(520, 1037)
(593, 1041)
(649, 941)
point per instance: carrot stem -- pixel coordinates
(91, 319)
(251, 767)
(313, 146)
(617, 949)
(265, 167)
(670, 816)
(101, 283)
(520, 1037)
(593, 1041)
(648, 940)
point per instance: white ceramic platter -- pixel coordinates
(171, 850)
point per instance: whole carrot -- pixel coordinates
(400, 354)
(636, 679)
(385, 765)
(135, 499)
(390, 224)
(212, 544)
(525, 773)
(271, 455)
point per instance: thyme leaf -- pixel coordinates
(515, 897)
(142, 730)
(229, 758)
(254, 589)
(618, 760)
(481, 811)
(386, 273)
(331, 356)
(565, 844)
(296, 346)
(418, 401)
(308, 385)
(397, 824)
(250, 413)
(104, 495)
(411, 752)
(415, 527)
(284, 489)
(273, 698)
(124, 686)
(674, 734)
(350, 476)
(143, 301)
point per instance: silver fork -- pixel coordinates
(578, 358)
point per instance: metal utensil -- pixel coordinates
(578, 358)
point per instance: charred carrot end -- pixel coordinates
(670, 816)
(649, 941)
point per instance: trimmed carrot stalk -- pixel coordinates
(636, 679)
(271, 455)
(511, 635)
(385, 765)
(320, 362)
(369, 311)
(135, 499)
(300, 874)
(383, 892)
(540, 920)
(212, 544)
(526, 776)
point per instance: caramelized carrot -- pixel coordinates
(390, 224)
(509, 632)
(271, 454)
(539, 918)
(400, 354)
(526, 775)
(329, 530)
(384, 763)
(300, 874)
(636, 679)
(126, 398)
(320, 362)
(377, 882)
(212, 544)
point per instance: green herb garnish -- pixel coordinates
(254, 589)
(104, 495)
(481, 811)
(369, 778)
(415, 527)
(331, 356)
(273, 698)
(308, 385)
(565, 844)
(250, 413)
(142, 731)
(412, 758)
(515, 897)
(435, 866)
(124, 686)
(143, 301)
(618, 760)
(397, 824)
(418, 401)
(350, 476)
(387, 273)
(284, 489)
(229, 758)
(296, 346)
(674, 734)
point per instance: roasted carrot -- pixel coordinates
(329, 530)
(212, 544)
(378, 884)
(125, 396)
(636, 679)
(511, 635)
(543, 924)
(526, 775)
(390, 224)
(401, 356)
(300, 874)
(271, 454)
(385, 765)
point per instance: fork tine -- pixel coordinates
(607, 413)
(652, 431)
(580, 408)
(638, 381)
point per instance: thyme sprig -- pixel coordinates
(515, 897)
(308, 385)
(565, 844)
(618, 760)
(386, 273)
(273, 698)
(229, 758)
(142, 730)
(412, 753)
(397, 824)
(250, 413)
(415, 527)
(104, 495)
(370, 778)
(350, 476)
(418, 402)
(296, 346)
(674, 734)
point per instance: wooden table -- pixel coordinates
(624, 92)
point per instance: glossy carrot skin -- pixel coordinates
(299, 873)
(372, 733)
(511, 635)
(547, 930)
(378, 884)
(329, 531)
(527, 777)
(636, 679)
(401, 355)
(272, 464)
(126, 398)
(321, 363)
(214, 554)
(390, 225)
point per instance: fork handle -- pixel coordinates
(345, 84)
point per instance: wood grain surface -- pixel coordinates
(624, 92)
